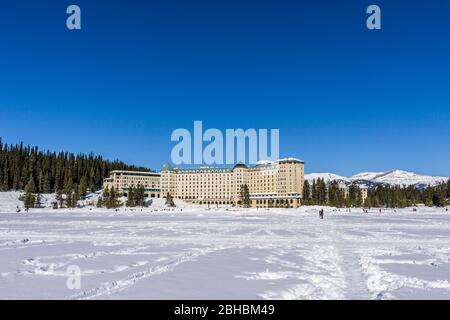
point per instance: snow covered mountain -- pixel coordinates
(366, 176)
(398, 177)
(327, 177)
(394, 177)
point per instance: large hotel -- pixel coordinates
(270, 184)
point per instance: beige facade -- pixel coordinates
(121, 181)
(271, 184)
(364, 191)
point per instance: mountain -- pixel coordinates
(398, 177)
(327, 177)
(371, 179)
(366, 176)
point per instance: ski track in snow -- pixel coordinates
(109, 288)
(199, 253)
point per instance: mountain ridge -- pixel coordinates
(391, 177)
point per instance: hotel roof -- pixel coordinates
(136, 173)
(262, 164)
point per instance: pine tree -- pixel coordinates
(437, 200)
(335, 196)
(169, 200)
(367, 203)
(100, 202)
(314, 198)
(359, 200)
(29, 200)
(17, 184)
(60, 198)
(5, 181)
(112, 201)
(31, 186)
(40, 180)
(130, 197)
(247, 201)
(448, 188)
(375, 202)
(82, 187)
(69, 199)
(74, 199)
(46, 184)
(139, 196)
(354, 196)
(321, 192)
(306, 192)
(1, 179)
(245, 196)
(68, 187)
(57, 177)
(38, 202)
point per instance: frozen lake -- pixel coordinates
(220, 254)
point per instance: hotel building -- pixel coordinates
(270, 184)
(121, 181)
(364, 191)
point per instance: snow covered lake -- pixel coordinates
(220, 254)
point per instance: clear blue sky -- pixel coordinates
(351, 99)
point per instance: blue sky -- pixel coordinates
(345, 99)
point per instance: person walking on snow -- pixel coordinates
(321, 213)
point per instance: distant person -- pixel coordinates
(321, 213)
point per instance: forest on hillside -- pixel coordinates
(48, 172)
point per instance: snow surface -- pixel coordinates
(366, 176)
(196, 253)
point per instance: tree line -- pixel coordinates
(26, 168)
(319, 193)
(407, 196)
(332, 194)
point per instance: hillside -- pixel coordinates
(47, 172)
